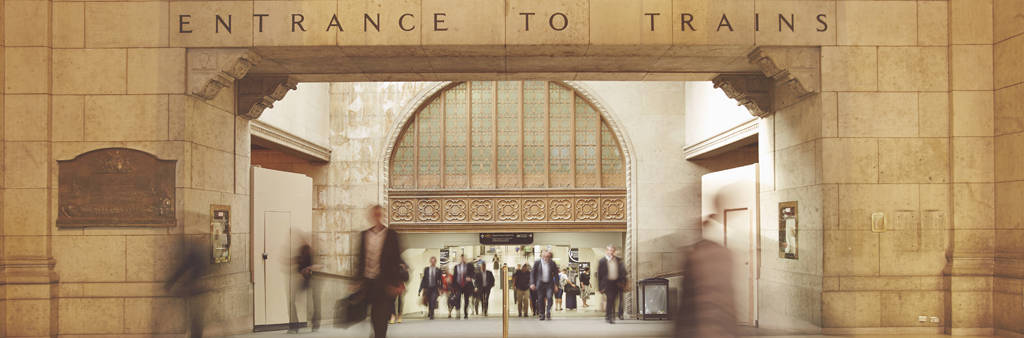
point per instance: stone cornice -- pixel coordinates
(289, 141)
(752, 91)
(721, 140)
(210, 70)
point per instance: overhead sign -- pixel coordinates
(499, 238)
(444, 257)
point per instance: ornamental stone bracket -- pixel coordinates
(257, 94)
(752, 91)
(794, 71)
(210, 70)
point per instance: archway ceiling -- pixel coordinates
(335, 64)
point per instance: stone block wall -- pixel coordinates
(1008, 82)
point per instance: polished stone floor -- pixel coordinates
(526, 328)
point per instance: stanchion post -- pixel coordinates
(504, 300)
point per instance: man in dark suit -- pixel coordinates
(380, 269)
(432, 283)
(611, 279)
(484, 281)
(464, 280)
(544, 280)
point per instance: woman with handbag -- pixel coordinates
(571, 290)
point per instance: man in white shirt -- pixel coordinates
(544, 280)
(380, 267)
(611, 279)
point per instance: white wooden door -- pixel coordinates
(282, 215)
(729, 208)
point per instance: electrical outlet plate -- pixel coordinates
(922, 319)
(935, 320)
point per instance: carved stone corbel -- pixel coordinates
(210, 70)
(257, 94)
(793, 68)
(752, 91)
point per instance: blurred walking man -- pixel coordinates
(544, 280)
(380, 267)
(431, 282)
(611, 279)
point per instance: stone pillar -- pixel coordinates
(972, 168)
(1008, 82)
(27, 280)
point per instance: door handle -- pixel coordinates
(265, 256)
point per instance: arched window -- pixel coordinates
(490, 155)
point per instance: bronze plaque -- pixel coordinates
(116, 187)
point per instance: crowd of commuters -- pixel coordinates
(539, 289)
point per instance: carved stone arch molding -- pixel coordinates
(211, 70)
(788, 75)
(626, 211)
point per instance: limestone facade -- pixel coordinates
(908, 107)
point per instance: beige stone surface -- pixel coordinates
(829, 114)
(859, 201)
(89, 71)
(92, 315)
(28, 317)
(878, 114)
(25, 117)
(152, 258)
(68, 119)
(25, 246)
(1009, 157)
(1009, 214)
(850, 253)
(205, 125)
(26, 23)
(849, 160)
(1006, 20)
(26, 70)
(933, 114)
(971, 67)
(932, 23)
(1009, 67)
(106, 263)
(851, 309)
(881, 23)
(917, 160)
(973, 21)
(212, 169)
(1009, 109)
(24, 164)
(973, 159)
(69, 25)
(798, 165)
(156, 70)
(974, 205)
(126, 24)
(849, 68)
(798, 123)
(973, 113)
(22, 216)
(202, 22)
(126, 118)
(154, 315)
(912, 69)
(900, 309)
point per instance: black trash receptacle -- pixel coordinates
(654, 299)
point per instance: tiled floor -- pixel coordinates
(575, 327)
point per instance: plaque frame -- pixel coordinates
(789, 211)
(88, 186)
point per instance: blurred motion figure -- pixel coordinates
(187, 279)
(306, 287)
(706, 309)
(380, 267)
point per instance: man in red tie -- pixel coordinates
(464, 278)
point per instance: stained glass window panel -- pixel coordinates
(402, 170)
(560, 134)
(482, 141)
(429, 132)
(587, 132)
(612, 167)
(456, 136)
(534, 133)
(508, 134)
